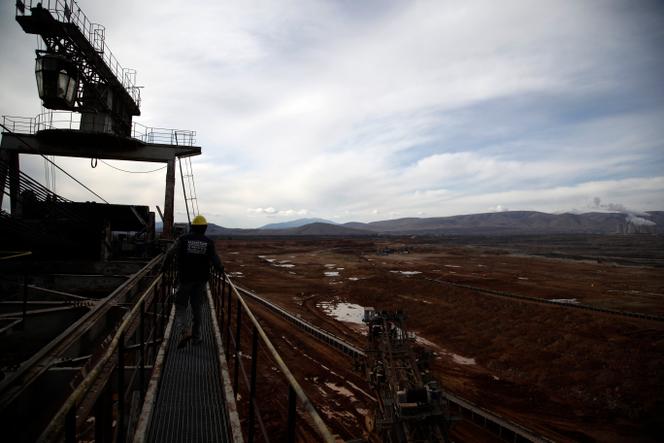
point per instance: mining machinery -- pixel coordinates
(410, 404)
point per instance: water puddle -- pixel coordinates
(456, 358)
(347, 312)
(463, 360)
(339, 390)
(407, 273)
(264, 257)
(571, 301)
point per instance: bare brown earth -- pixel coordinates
(569, 374)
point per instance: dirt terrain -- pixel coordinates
(567, 373)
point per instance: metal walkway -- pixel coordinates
(190, 405)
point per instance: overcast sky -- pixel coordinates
(369, 110)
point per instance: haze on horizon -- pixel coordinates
(364, 111)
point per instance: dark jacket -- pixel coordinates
(195, 254)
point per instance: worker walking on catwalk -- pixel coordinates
(195, 254)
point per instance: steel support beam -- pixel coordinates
(73, 143)
(169, 201)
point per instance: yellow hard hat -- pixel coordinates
(199, 220)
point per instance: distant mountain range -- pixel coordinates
(495, 223)
(296, 223)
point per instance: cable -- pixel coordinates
(53, 163)
(132, 172)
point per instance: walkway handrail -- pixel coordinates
(324, 336)
(157, 295)
(294, 387)
(69, 120)
(14, 254)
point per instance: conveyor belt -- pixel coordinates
(189, 405)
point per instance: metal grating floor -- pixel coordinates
(190, 405)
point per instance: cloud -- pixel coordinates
(292, 212)
(269, 211)
(359, 110)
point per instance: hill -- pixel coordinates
(312, 229)
(325, 229)
(499, 223)
(521, 222)
(296, 223)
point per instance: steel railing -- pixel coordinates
(233, 316)
(43, 121)
(163, 136)
(325, 337)
(68, 11)
(118, 381)
(72, 121)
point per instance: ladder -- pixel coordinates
(188, 188)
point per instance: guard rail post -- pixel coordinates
(121, 390)
(162, 316)
(25, 295)
(227, 329)
(252, 388)
(104, 416)
(141, 352)
(155, 306)
(70, 425)
(223, 288)
(292, 412)
(238, 351)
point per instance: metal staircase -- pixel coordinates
(188, 188)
